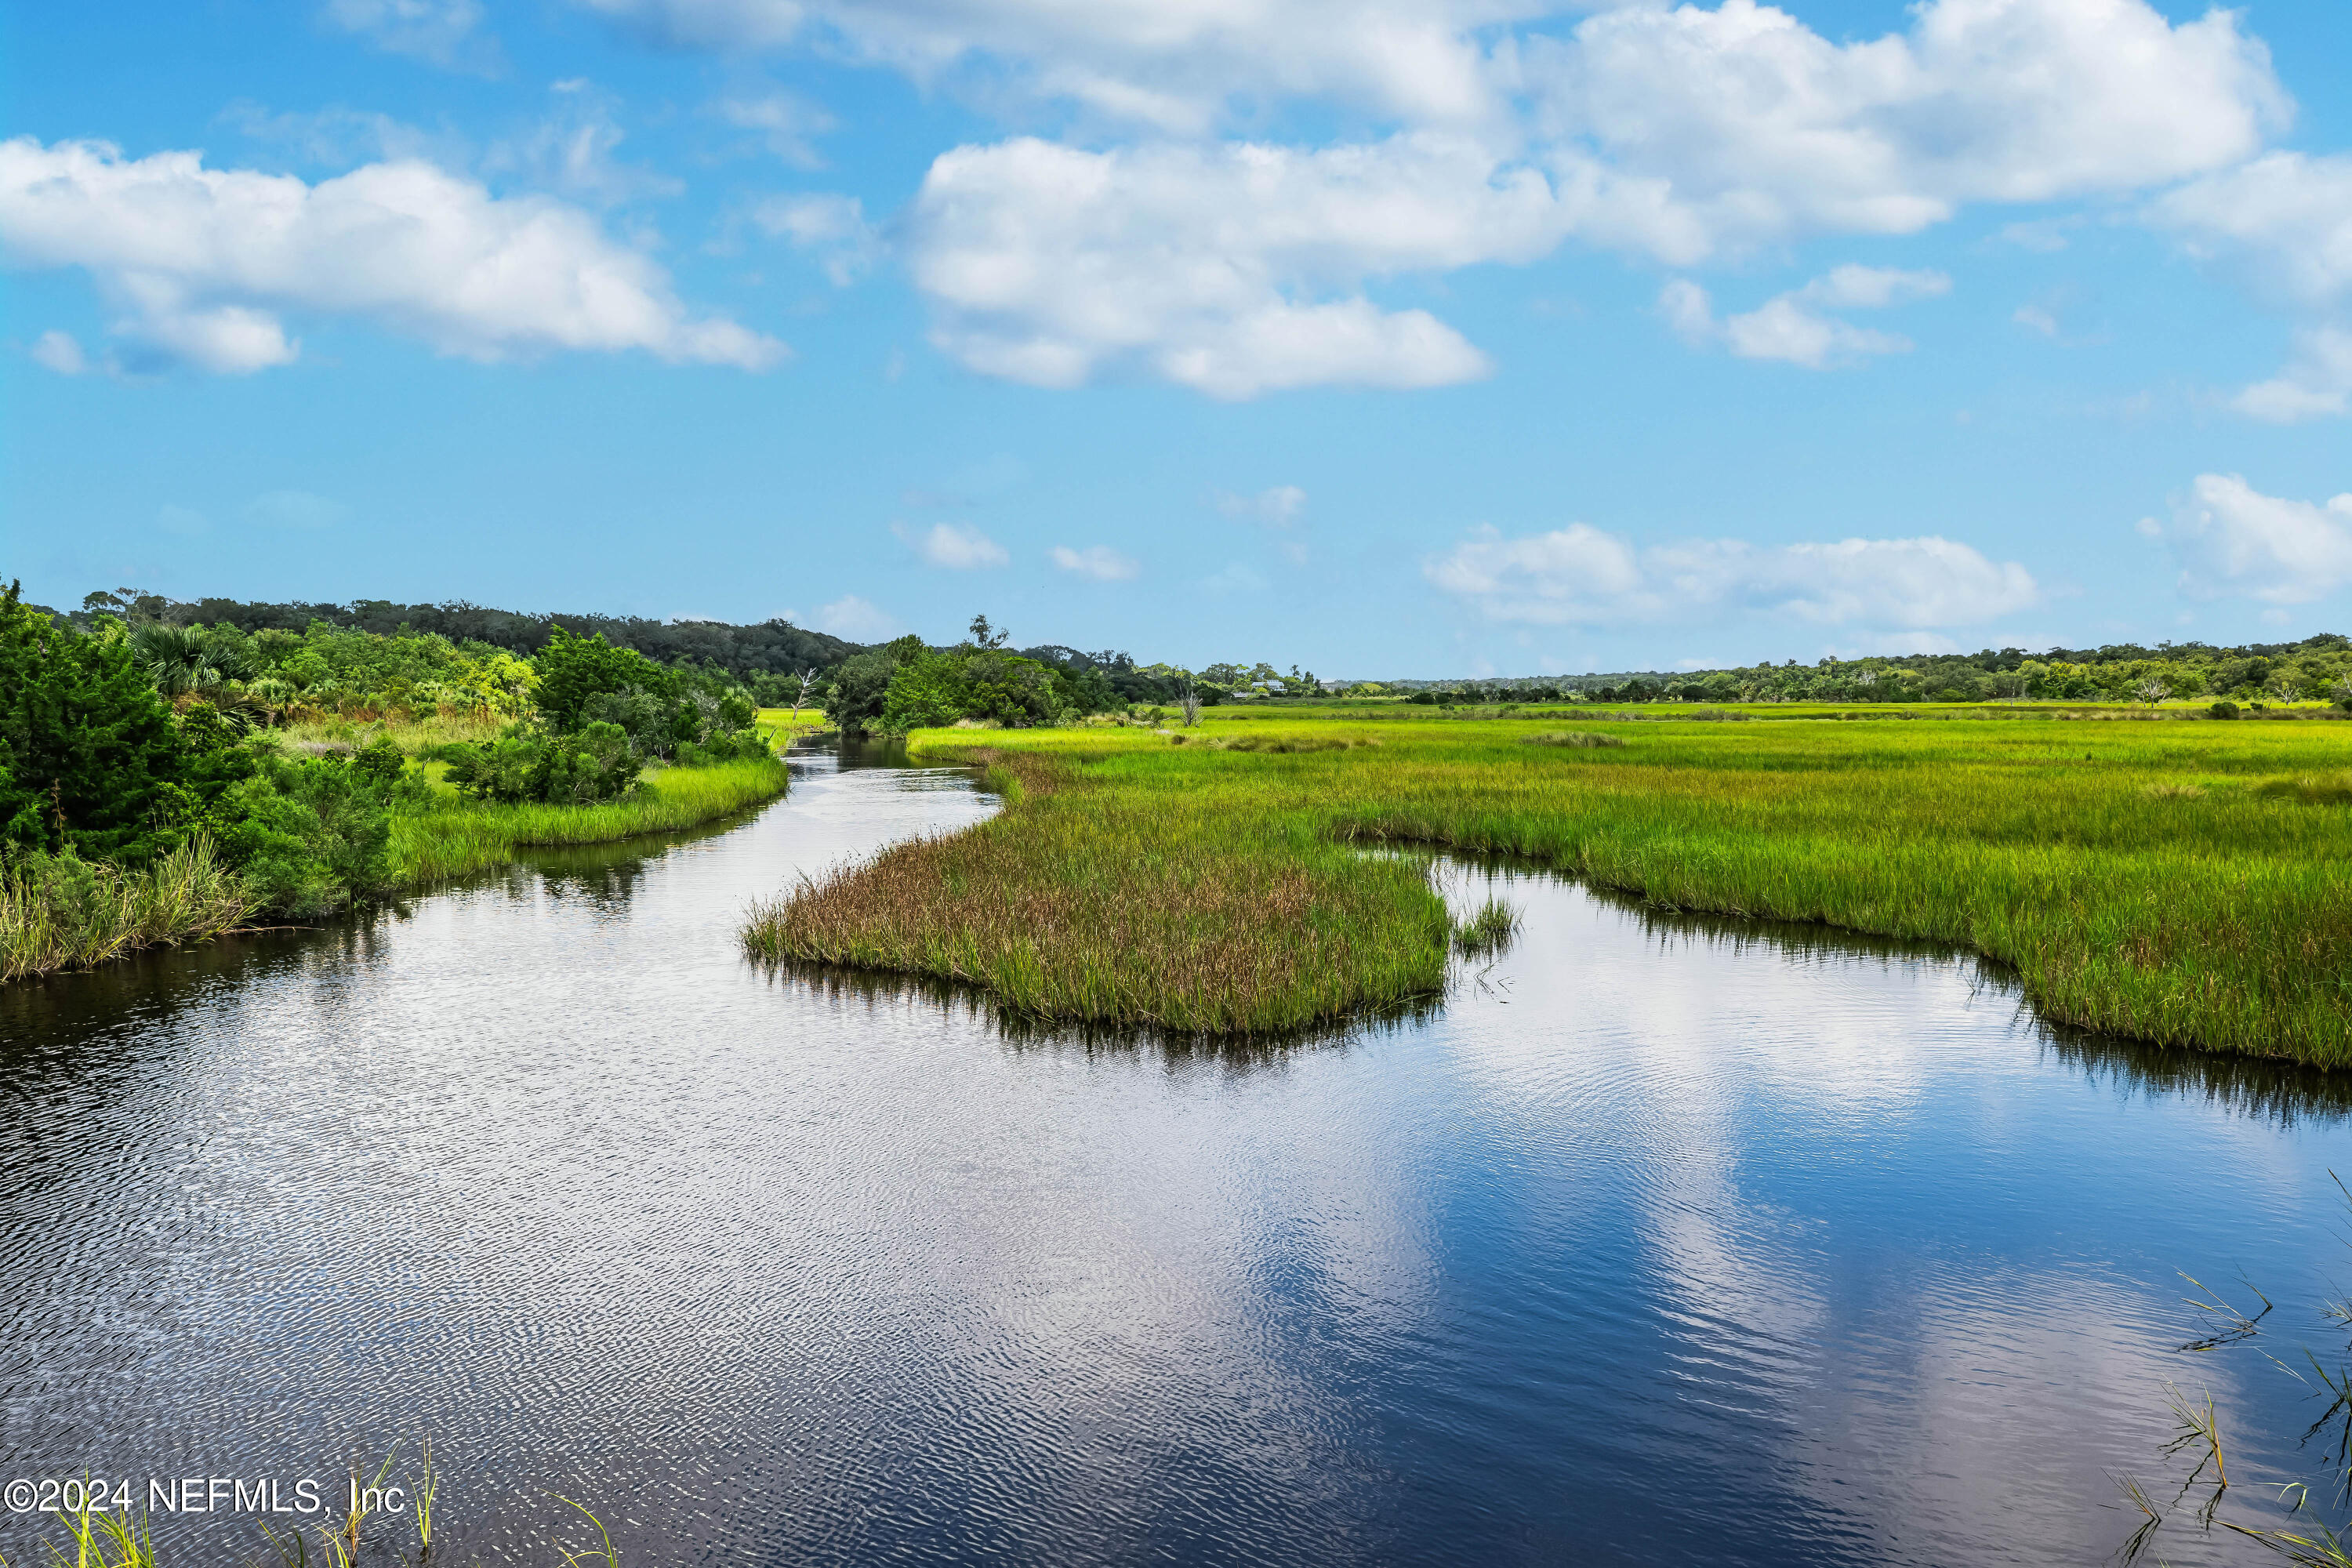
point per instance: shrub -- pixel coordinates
(2223, 710)
(310, 834)
(573, 670)
(87, 747)
(596, 763)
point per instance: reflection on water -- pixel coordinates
(1661, 1239)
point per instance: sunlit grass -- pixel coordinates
(61, 913)
(2181, 881)
(463, 837)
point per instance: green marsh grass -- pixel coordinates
(463, 837)
(1488, 929)
(59, 913)
(1208, 887)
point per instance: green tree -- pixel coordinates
(573, 669)
(861, 686)
(86, 745)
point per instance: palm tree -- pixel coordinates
(184, 660)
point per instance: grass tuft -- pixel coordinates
(1490, 930)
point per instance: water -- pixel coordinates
(1660, 1241)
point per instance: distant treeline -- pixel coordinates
(2316, 666)
(775, 648)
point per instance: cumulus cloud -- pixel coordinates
(1744, 126)
(1280, 506)
(442, 32)
(954, 547)
(1795, 326)
(1234, 270)
(2284, 220)
(2316, 381)
(1098, 562)
(2231, 540)
(199, 265)
(857, 619)
(831, 228)
(1581, 575)
(1680, 134)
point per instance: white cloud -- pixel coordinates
(2317, 381)
(59, 351)
(336, 137)
(2284, 224)
(833, 228)
(571, 151)
(1234, 271)
(2034, 318)
(788, 124)
(442, 32)
(1680, 134)
(1277, 507)
(857, 620)
(199, 264)
(955, 546)
(2284, 220)
(1170, 64)
(1738, 125)
(1794, 327)
(1098, 562)
(1581, 575)
(2231, 539)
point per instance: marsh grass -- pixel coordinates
(1575, 738)
(462, 837)
(1074, 906)
(1488, 929)
(58, 912)
(1134, 880)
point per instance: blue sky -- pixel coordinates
(1410, 337)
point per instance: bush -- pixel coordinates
(596, 763)
(574, 671)
(87, 748)
(310, 836)
(2223, 710)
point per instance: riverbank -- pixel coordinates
(64, 914)
(2182, 884)
(458, 838)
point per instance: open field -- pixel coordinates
(2183, 882)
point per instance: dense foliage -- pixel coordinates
(154, 782)
(905, 685)
(775, 647)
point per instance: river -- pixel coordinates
(1660, 1240)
